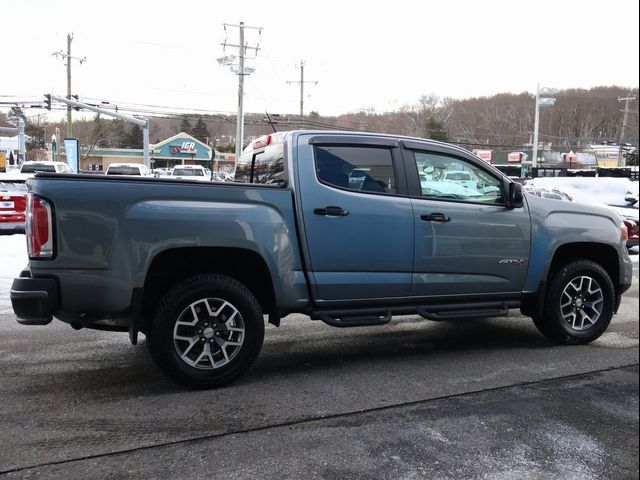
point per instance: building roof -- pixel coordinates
(181, 146)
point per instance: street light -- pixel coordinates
(542, 100)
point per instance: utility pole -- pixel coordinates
(542, 100)
(68, 57)
(625, 118)
(623, 132)
(302, 82)
(240, 70)
(240, 119)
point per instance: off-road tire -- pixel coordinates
(235, 337)
(579, 304)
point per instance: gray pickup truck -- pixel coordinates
(347, 228)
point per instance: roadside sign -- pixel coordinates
(484, 155)
(71, 149)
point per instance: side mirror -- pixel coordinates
(515, 195)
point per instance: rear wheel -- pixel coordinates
(207, 331)
(579, 304)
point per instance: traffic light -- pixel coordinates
(47, 101)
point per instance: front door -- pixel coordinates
(467, 241)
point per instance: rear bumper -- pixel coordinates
(34, 300)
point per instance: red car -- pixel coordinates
(13, 203)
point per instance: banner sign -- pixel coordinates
(72, 151)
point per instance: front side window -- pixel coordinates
(364, 169)
(452, 178)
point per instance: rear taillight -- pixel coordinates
(624, 232)
(262, 142)
(39, 227)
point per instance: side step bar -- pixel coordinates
(361, 317)
(353, 318)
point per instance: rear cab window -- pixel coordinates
(123, 170)
(35, 168)
(188, 172)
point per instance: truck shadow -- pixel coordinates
(305, 347)
(282, 354)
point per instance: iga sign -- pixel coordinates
(186, 147)
(484, 155)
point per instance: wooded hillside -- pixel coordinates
(578, 118)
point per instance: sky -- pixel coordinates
(378, 56)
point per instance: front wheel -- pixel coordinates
(207, 331)
(579, 304)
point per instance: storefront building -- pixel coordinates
(181, 149)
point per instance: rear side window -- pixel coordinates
(363, 169)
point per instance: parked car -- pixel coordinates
(190, 172)
(45, 166)
(161, 172)
(128, 169)
(629, 214)
(13, 195)
(612, 191)
(226, 176)
(460, 177)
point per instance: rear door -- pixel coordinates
(357, 220)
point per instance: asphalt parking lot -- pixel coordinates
(483, 399)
